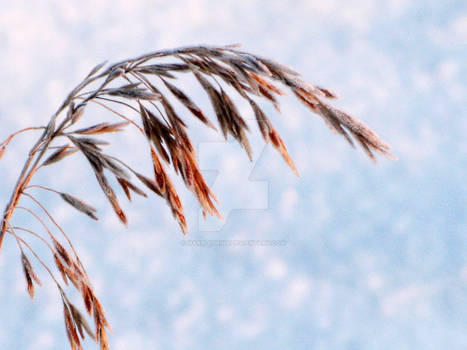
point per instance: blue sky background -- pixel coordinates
(374, 257)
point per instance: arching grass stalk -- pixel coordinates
(146, 87)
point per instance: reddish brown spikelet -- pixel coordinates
(88, 296)
(80, 322)
(101, 128)
(121, 215)
(104, 344)
(312, 104)
(127, 186)
(167, 190)
(62, 252)
(327, 93)
(159, 171)
(149, 183)
(70, 329)
(270, 134)
(97, 308)
(270, 97)
(280, 146)
(267, 85)
(2, 151)
(110, 194)
(176, 205)
(28, 266)
(30, 275)
(60, 267)
(202, 191)
(156, 131)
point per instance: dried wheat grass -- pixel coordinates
(136, 83)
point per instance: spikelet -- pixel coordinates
(30, 275)
(79, 205)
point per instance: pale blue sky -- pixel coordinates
(374, 257)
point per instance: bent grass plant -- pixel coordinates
(136, 84)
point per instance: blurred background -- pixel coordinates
(370, 257)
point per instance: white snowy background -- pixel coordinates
(373, 257)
